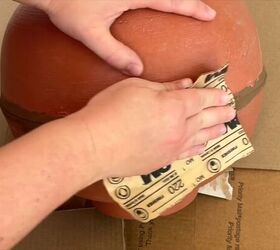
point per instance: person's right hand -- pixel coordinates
(137, 126)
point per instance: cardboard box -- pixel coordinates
(251, 221)
(82, 229)
(6, 9)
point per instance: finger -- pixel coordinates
(177, 85)
(193, 8)
(209, 118)
(169, 86)
(195, 100)
(205, 135)
(101, 41)
(195, 150)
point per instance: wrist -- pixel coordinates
(77, 150)
(85, 144)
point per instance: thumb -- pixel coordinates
(115, 53)
(193, 8)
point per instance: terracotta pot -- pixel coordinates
(47, 75)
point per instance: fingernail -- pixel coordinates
(133, 69)
(211, 13)
(226, 99)
(186, 83)
(232, 113)
(223, 130)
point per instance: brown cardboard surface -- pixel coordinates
(250, 221)
(83, 229)
(6, 9)
(266, 141)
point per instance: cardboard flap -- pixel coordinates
(83, 229)
(249, 221)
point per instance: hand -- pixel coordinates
(137, 126)
(89, 21)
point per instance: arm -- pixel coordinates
(45, 167)
(39, 172)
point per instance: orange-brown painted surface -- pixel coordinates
(46, 75)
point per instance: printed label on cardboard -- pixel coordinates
(146, 197)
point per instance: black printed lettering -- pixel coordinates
(148, 178)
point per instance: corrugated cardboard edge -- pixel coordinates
(79, 229)
(123, 236)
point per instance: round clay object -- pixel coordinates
(46, 75)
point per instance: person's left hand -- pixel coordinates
(89, 21)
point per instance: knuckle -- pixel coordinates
(210, 95)
(192, 141)
(171, 107)
(223, 114)
(171, 123)
(175, 4)
(198, 98)
(210, 134)
(173, 131)
(175, 141)
(178, 4)
(172, 119)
